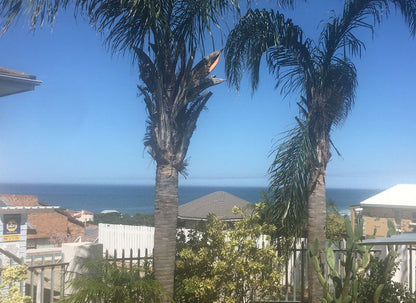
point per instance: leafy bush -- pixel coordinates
(220, 264)
(10, 278)
(335, 227)
(104, 283)
(392, 292)
(365, 278)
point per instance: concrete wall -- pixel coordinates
(76, 254)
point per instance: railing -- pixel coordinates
(294, 277)
(127, 262)
(46, 281)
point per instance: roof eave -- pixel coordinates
(18, 84)
(389, 206)
(27, 209)
(205, 219)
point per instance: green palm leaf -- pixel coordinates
(290, 179)
(257, 33)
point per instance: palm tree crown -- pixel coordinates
(326, 79)
(163, 37)
(321, 72)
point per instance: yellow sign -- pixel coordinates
(13, 237)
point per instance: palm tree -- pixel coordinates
(163, 36)
(326, 79)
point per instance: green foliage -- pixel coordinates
(378, 274)
(355, 268)
(9, 286)
(220, 264)
(335, 226)
(125, 219)
(103, 282)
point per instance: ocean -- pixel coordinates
(139, 198)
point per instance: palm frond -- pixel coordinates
(172, 120)
(127, 23)
(257, 33)
(290, 177)
(194, 19)
(408, 10)
(103, 282)
(39, 12)
(294, 69)
(287, 3)
(339, 33)
(340, 92)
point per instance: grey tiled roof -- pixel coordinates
(219, 203)
(12, 73)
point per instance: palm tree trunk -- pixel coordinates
(317, 219)
(166, 215)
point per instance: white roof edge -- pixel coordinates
(205, 219)
(400, 195)
(22, 79)
(27, 209)
(404, 206)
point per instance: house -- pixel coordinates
(219, 203)
(397, 204)
(14, 228)
(13, 82)
(83, 216)
(46, 229)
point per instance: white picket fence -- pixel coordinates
(119, 237)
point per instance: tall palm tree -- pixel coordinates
(326, 79)
(163, 36)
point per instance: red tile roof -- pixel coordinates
(47, 225)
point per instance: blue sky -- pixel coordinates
(85, 123)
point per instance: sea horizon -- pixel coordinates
(131, 198)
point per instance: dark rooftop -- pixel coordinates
(219, 203)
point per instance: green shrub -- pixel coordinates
(220, 264)
(9, 288)
(335, 226)
(393, 292)
(105, 283)
(365, 278)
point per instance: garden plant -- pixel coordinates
(220, 263)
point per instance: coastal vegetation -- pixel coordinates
(216, 263)
(11, 276)
(163, 38)
(325, 78)
(379, 273)
(102, 282)
(356, 261)
(125, 219)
